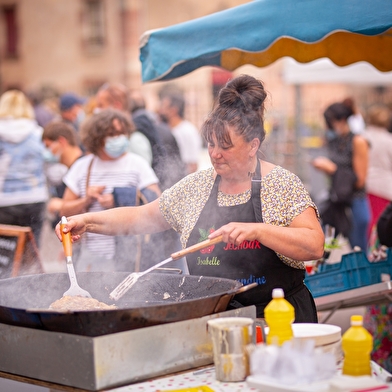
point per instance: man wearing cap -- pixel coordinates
(71, 109)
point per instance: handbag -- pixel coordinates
(337, 215)
(343, 186)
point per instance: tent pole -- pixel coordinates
(298, 125)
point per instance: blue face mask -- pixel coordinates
(115, 146)
(80, 117)
(50, 157)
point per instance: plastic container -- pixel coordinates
(279, 315)
(354, 270)
(357, 344)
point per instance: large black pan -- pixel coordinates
(157, 298)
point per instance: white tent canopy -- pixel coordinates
(325, 71)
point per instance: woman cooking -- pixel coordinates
(267, 220)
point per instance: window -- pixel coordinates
(11, 31)
(94, 24)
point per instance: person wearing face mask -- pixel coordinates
(61, 151)
(23, 189)
(116, 96)
(96, 182)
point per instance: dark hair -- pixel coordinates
(349, 102)
(336, 112)
(55, 129)
(177, 101)
(240, 106)
(97, 127)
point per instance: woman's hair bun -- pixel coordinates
(243, 93)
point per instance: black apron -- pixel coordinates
(250, 261)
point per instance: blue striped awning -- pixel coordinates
(262, 31)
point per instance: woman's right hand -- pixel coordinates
(94, 192)
(75, 225)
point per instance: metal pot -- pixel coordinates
(157, 298)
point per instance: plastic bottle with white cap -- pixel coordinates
(279, 315)
(357, 345)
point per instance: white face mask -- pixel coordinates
(115, 146)
(50, 157)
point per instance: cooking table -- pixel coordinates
(362, 296)
(192, 378)
(195, 378)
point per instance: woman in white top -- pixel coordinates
(379, 177)
(91, 180)
(378, 317)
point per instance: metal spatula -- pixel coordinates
(75, 289)
(132, 278)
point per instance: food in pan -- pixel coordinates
(77, 303)
(166, 295)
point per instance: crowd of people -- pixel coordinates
(358, 153)
(127, 178)
(86, 154)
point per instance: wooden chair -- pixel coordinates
(26, 251)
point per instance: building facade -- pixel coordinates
(56, 46)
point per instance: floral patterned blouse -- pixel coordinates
(283, 197)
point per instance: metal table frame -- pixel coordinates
(374, 294)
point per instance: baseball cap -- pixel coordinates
(68, 100)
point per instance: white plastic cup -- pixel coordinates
(230, 336)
